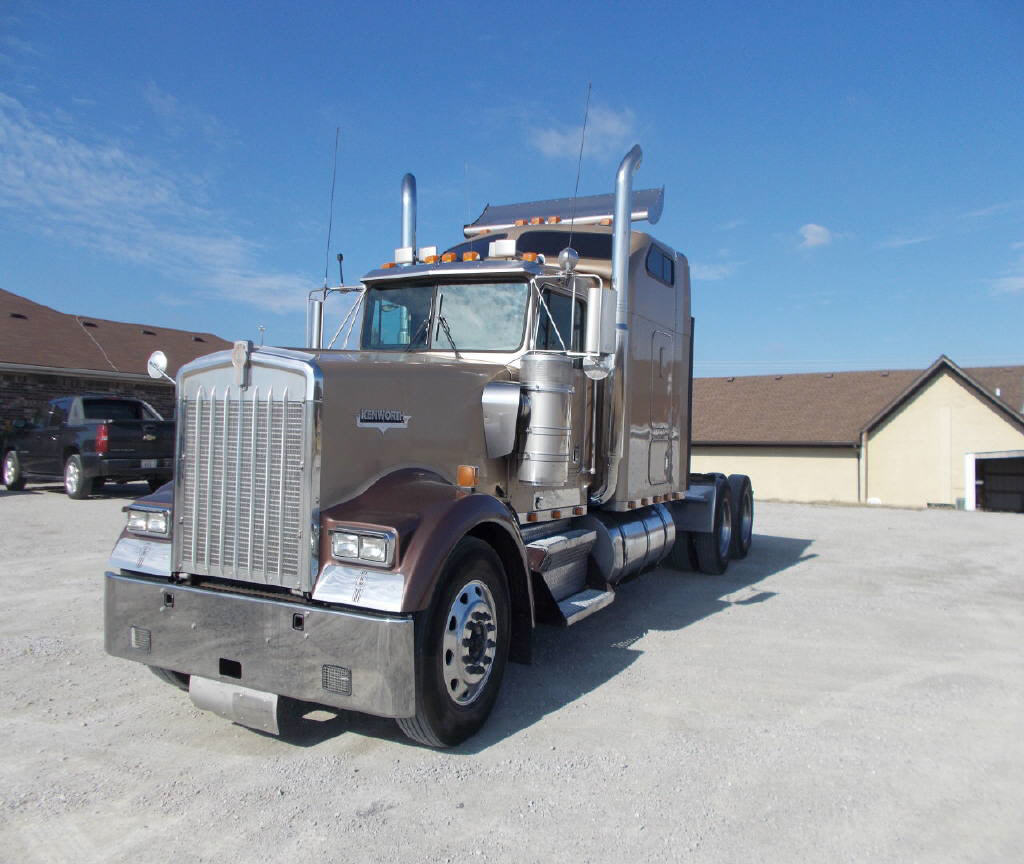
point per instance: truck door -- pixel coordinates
(659, 464)
(49, 442)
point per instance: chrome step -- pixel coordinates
(562, 560)
(587, 602)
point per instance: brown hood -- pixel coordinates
(385, 411)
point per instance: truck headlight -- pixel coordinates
(153, 522)
(372, 547)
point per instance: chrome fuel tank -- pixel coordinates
(546, 379)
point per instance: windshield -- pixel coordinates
(475, 316)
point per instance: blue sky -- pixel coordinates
(847, 180)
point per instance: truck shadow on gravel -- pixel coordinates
(568, 663)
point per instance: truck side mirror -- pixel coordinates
(156, 366)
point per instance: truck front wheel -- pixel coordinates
(462, 648)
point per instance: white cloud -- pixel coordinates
(1008, 285)
(609, 133)
(101, 195)
(900, 242)
(731, 225)
(1012, 280)
(814, 235)
(713, 272)
(178, 119)
(992, 209)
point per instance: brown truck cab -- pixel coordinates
(380, 528)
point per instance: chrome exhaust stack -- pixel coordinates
(615, 388)
(409, 215)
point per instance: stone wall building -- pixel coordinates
(45, 354)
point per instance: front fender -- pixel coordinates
(430, 516)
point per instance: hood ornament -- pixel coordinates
(241, 359)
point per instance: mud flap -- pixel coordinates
(242, 705)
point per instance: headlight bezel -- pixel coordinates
(378, 539)
(150, 517)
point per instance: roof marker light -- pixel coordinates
(470, 256)
(529, 256)
(605, 221)
(520, 223)
(448, 257)
(537, 220)
(554, 220)
(387, 266)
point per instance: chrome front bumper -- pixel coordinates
(342, 659)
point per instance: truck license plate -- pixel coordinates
(149, 463)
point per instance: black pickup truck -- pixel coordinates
(87, 440)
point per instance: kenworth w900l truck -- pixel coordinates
(380, 529)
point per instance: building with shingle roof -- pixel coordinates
(45, 354)
(903, 437)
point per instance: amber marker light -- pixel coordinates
(387, 266)
(430, 259)
(465, 476)
(537, 220)
(531, 517)
(529, 256)
(520, 223)
(554, 220)
(470, 256)
(448, 257)
(605, 221)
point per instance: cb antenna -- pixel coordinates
(330, 217)
(579, 164)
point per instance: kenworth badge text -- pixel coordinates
(380, 529)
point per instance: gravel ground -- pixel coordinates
(852, 691)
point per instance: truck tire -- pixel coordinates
(742, 515)
(175, 679)
(462, 644)
(13, 478)
(76, 484)
(713, 546)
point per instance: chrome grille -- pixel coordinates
(241, 491)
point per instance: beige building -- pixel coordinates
(908, 438)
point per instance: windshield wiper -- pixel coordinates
(412, 342)
(448, 334)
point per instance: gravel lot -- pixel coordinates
(852, 691)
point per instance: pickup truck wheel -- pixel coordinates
(12, 472)
(462, 648)
(742, 515)
(713, 546)
(76, 484)
(175, 679)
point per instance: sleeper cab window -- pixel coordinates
(661, 266)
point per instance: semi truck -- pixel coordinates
(380, 528)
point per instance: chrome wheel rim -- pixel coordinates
(71, 478)
(469, 645)
(725, 537)
(8, 469)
